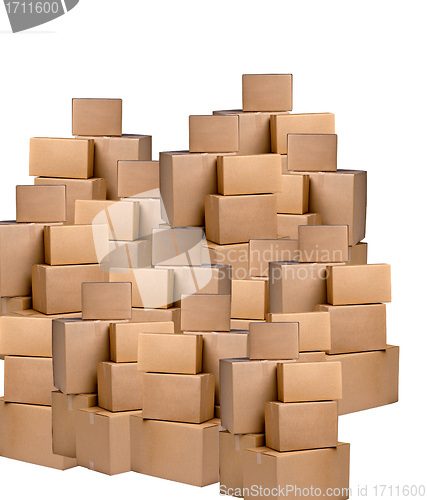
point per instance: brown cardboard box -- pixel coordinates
(107, 300)
(314, 329)
(138, 178)
(119, 386)
(217, 411)
(179, 398)
(238, 219)
(267, 92)
(323, 243)
(243, 324)
(77, 189)
(369, 379)
(173, 314)
(124, 338)
(356, 328)
(312, 152)
(187, 453)
(287, 224)
(132, 254)
(31, 313)
(249, 174)
(64, 414)
(235, 256)
(180, 246)
(150, 216)
(205, 313)
(312, 357)
(262, 252)
(75, 244)
(273, 341)
(306, 473)
(293, 198)
(249, 298)
(26, 435)
(231, 448)
(97, 117)
(103, 440)
(301, 123)
(366, 284)
(28, 380)
(214, 134)
(57, 289)
(301, 426)
(308, 382)
(284, 164)
(358, 254)
(11, 304)
(52, 157)
(41, 204)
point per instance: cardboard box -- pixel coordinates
(311, 357)
(217, 411)
(293, 198)
(287, 224)
(128, 254)
(179, 398)
(262, 252)
(187, 453)
(312, 152)
(119, 386)
(298, 123)
(64, 414)
(238, 219)
(314, 328)
(26, 435)
(150, 216)
(235, 256)
(309, 382)
(214, 134)
(249, 174)
(297, 473)
(358, 254)
(28, 380)
(366, 284)
(323, 243)
(107, 300)
(267, 92)
(57, 289)
(249, 298)
(205, 313)
(124, 338)
(77, 347)
(284, 164)
(75, 244)
(356, 328)
(97, 117)
(41, 204)
(138, 178)
(180, 246)
(54, 157)
(11, 304)
(173, 314)
(243, 324)
(31, 313)
(273, 341)
(369, 379)
(301, 426)
(77, 189)
(103, 440)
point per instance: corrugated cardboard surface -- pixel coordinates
(11, 304)
(214, 134)
(273, 341)
(287, 224)
(120, 386)
(312, 152)
(97, 117)
(249, 298)
(235, 256)
(323, 243)
(41, 204)
(173, 314)
(293, 198)
(358, 254)
(107, 300)
(205, 313)
(137, 178)
(25, 336)
(261, 252)
(177, 246)
(267, 92)
(123, 254)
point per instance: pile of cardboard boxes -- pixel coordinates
(132, 342)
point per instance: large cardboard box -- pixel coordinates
(356, 328)
(312, 152)
(205, 313)
(235, 256)
(369, 379)
(301, 426)
(214, 134)
(64, 415)
(107, 300)
(97, 117)
(140, 315)
(26, 435)
(262, 252)
(180, 246)
(187, 453)
(131, 254)
(57, 289)
(287, 224)
(179, 398)
(293, 198)
(11, 304)
(238, 219)
(273, 341)
(41, 204)
(54, 157)
(138, 178)
(358, 254)
(267, 92)
(119, 386)
(249, 298)
(323, 243)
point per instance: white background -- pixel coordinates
(364, 61)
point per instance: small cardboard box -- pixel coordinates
(284, 164)
(214, 134)
(309, 382)
(41, 204)
(179, 398)
(205, 313)
(262, 252)
(11, 304)
(242, 324)
(140, 315)
(107, 300)
(25, 336)
(138, 178)
(293, 198)
(365, 284)
(97, 117)
(267, 92)
(238, 219)
(64, 414)
(186, 453)
(235, 256)
(150, 215)
(249, 298)
(312, 152)
(323, 243)
(177, 246)
(119, 386)
(249, 174)
(358, 254)
(287, 224)
(273, 341)
(128, 254)
(70, 158)
(301, 426)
